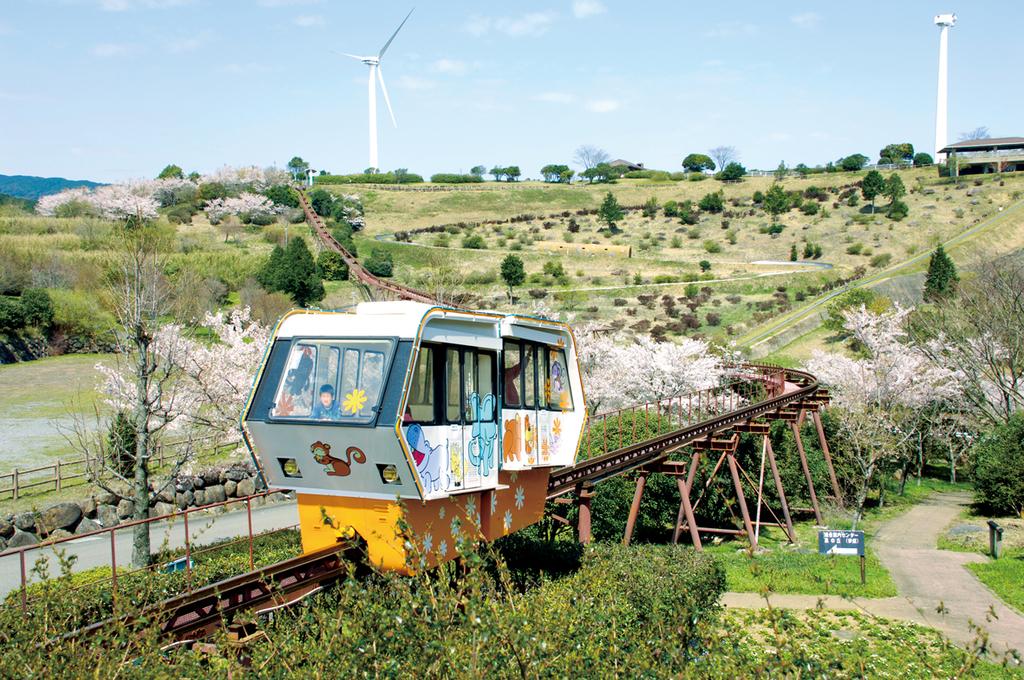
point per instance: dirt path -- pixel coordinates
(928, 579)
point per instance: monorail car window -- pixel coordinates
(529, 376)
(485, 383)
(560, 398)
(421, 395)
(453, 380)
(350, 371)
(512, 360)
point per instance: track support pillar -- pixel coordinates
(779, 489)
(634, 510)
(807, 472)
(583, 497)
(738, 486)
(828, 459)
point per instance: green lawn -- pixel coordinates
(1005, 577)
(831, 644)
(800, 569)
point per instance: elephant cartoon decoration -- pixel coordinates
(484, 432)
(427, 458)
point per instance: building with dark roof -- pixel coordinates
(981, 156)
(629, 166)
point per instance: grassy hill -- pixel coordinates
(661, 287)
(31, 187)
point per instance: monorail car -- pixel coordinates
(457, 416)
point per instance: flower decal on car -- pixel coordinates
(354, 401)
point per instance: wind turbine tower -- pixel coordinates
(376, 75)
(944, 22)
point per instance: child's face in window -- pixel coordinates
(326, 398)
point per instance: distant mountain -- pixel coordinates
(26, 186)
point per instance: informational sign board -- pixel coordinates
(840, 542)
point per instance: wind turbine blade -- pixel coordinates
(384, 89)
(388, 43)
(346, 54)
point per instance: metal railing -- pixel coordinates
(27, 555)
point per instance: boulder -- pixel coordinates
(6, 528)
(125, 509)
(87, 525)
(199, 497)
(26, 521)
(222, 476)
(183, 484)
(3, 544)
(166, 495)
(21, 539)
(160, 508)
(88, 506)
(230, 488)
(198, 482)
(216, 493)
(107, 515)
(246, 487)
(211, 477)
(61, 516)
(236, 474)
(106, 498)
(59, 534)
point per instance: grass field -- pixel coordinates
(40, 398)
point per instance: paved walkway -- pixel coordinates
(927, 578)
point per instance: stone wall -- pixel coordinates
(104, 509)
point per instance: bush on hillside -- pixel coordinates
(380, 263)
(332, 266)
(453, 178)
(998, 473)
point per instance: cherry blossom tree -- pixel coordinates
(884, 395)
(133, 200)
(617, 373)
(251, 178)
(246, 205)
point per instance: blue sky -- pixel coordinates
(112, 89)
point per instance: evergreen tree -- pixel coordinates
(294, 272)
(610, 211)
(793, 256)
(940, 283)
(871, 186)
(894, 188)
(269, 276)
(512, 272)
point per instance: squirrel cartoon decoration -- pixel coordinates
(337, 467)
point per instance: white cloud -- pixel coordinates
(414, 83)
(532, 24)
(806, 19)
(453, 66)
(124, 5)
(555, 97)
(603, 105)
(190, 44)
(107, 50)
(308, 20)
(582, 9)
(731, 29)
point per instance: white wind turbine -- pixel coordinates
(375, 74)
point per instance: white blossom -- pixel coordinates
(620, 373)
(245, 204)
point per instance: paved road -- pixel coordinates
(95, 551)
(928, 579)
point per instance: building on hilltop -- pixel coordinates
(620, 163)
(982, 156)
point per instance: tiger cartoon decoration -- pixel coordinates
(337, 467)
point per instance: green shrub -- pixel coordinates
(998, 473)
(712, 203)
(380, 263)
(375, 178)
(881, 260)
(78, 315)
(854, 248)
(37, 307)
(12, 314)
(282, 194)
(474, 242)
(180, 214)
(809, 208)
(332, 266)
(671, 209)
(452, 178)
(712, 247)
(897, 211)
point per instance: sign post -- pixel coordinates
(843, 542)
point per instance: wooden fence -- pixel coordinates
(64, 473)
